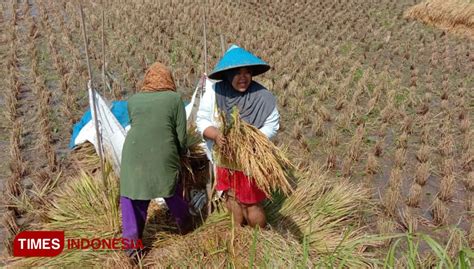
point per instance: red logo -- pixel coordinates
(52, 243)
(38, 243)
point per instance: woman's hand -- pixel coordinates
(214, 134)
(220, 140)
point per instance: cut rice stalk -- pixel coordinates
(249, 150)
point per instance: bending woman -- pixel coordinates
(151, 153)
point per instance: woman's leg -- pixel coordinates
(255, 215)
(235, 208)
(179, 208)
(134, 213)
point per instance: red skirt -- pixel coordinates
(244, 187)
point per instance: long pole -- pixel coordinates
(222, 44)
(103, 50)
(94, 105)
(210, 181)
(205, 39)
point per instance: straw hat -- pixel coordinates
(236, 57)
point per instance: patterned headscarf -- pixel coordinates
(158, 78)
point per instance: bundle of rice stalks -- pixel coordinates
(318, 225)
(452, 15)
(222, 245)
(248, 150)
(194, 172)
(194, 141)
(85, 208)
(86, 158)
(326, 215)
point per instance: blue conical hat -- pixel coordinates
(236, 57)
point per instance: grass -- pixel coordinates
(405, 253)
(305, 230)
(85, 208)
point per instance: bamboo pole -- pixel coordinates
(209, 183)
(104, 81)
(94, 105)
(205, 39)
(222, 44)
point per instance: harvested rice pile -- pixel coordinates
(456, 16)
(318, 225)
(249, 150)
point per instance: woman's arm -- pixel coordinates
(204, 116)
(272, 124)
(205, 111)
(181, 127)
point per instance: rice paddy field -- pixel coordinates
(376, 104)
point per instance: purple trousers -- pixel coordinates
(134, 213)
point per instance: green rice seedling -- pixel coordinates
(444, 105)
(323, 112)
(317, 128)
(378, 148)
(422, 173)
(346, 167)
(324, 93)
(331, 159)
(447, 146)
(400, 157)
(467, 160)
(343, 121)
(248, 150)
(469, 181)
(423, 153)
(11, 228)
(455, 242)
(372, 166)
(425, 135)
(464, 126)
(402, 141)
(390, 201)
(408, 219)
(388, 113)
(414, 195)
(446, 188)
(407, 125)
(356, 143)
(439, 212)
(448, 167)
(297, 132)
(333, 137)
(471, 234)
(340, 102)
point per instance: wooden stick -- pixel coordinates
(104, 81)
(205, 39)
(94, 105)
(222, 44)
(209, 183)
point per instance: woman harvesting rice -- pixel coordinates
(256, 106)
(151, 153)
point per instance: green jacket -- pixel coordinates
(152, 148)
